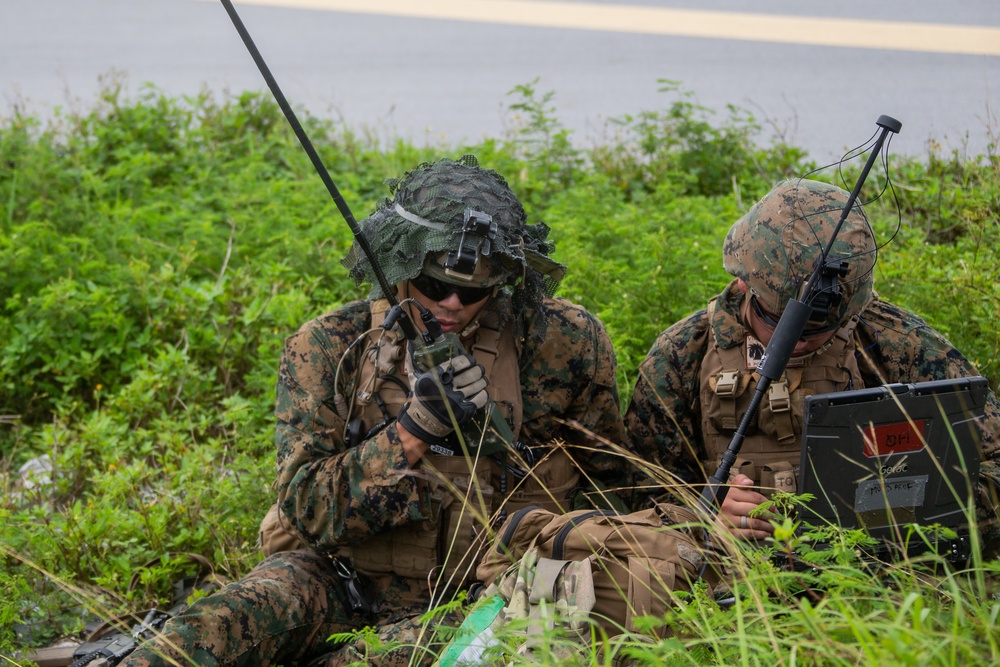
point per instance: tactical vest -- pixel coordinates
(771, 449)
(495, 351)
(466, 494)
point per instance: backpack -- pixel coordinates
(582, 568)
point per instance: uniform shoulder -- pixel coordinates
(563, 313)
(899, 346)
(346, 320)
(566, 324)
(889, 316)
(693, 327)
(569, 330)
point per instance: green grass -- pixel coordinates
(156, 251)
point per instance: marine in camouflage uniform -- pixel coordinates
(694, 385)
(355, 510)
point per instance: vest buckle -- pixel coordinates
(778, 397)
(727, 384)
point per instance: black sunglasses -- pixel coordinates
(772, 322)
(438, 290)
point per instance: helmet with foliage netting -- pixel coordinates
(466, 218)
(776, 245)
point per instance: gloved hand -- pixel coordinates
(458, 385)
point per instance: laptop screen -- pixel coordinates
(887, 456)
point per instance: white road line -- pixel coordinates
(850, 33)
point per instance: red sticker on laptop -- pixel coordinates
(886, 439)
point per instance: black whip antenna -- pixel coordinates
(404, 322)
(789, 329)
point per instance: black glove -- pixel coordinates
(443, 398)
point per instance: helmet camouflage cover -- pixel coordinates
(459, 214)
(776, 245)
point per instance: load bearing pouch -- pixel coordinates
(446, 543)
(549, 484)
(771, 473)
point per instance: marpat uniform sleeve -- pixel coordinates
(331, 494)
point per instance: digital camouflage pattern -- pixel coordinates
(894, 345)
(288, 605)
(335, 496)
(571, 376)
(775, 246)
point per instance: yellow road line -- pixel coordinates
(850, 33)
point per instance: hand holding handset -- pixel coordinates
(449, 391)
(443, 396)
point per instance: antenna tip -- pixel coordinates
(889, 123)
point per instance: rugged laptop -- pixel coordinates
(888, 456)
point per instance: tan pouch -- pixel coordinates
(272, 536)
(777, 477)
(547, 485)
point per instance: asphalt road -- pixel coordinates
(808, 75)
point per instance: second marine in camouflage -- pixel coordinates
(697, 380)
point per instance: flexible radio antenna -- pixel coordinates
(789, 329)
(404, 322)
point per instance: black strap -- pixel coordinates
(360, 590)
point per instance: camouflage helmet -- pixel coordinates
(463, 224)
(775, 246)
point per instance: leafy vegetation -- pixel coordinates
(155, 253)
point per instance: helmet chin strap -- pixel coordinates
(472, 326)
